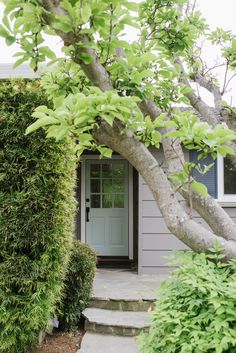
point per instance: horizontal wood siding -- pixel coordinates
(155, 240)
(23, 71)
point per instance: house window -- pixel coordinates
(220, 180)
(226, 180)
(210, 178)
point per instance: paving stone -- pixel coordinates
(117, 318)
(123, 305)
(120, 303)
(99, 343)
(114, 322)
(125, 285)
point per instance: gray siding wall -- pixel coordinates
(22, 71)
(155, 240)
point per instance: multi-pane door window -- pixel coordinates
(107, 185)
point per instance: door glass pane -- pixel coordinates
(107, 186)
(229, 177)
(107, 201)
(95, 201)
(106, 170)
(95, 185)
(118, 185)
(95, 170)
(118, 170)
(119, 201)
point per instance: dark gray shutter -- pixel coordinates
(210, 178)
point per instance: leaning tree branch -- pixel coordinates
(95, 71)
(214, 215)
(207, 207)
(177, 220)
(212, 88)
(196, 102)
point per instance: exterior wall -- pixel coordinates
(155, 240)
(22, 71)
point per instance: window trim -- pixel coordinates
(227, 200)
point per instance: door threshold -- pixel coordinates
(114, 262)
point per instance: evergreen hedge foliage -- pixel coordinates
(78, 285)
(37, 177)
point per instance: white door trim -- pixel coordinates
(83, 202)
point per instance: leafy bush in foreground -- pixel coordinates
(37, 177)
(78, 284)
(196, 312)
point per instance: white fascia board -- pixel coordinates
(23, 71)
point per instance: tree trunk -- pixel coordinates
(121, 140)
(177, 220)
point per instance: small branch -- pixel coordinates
(190, 199)
(211, 87)
(110, 34)
(229, 81)
(213, 68)
(197, 103)
(225, 78)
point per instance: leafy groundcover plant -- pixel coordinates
(37, 178)
(196, 310)
(77, 285)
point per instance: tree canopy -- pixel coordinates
(116, 95)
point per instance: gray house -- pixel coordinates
(117, 214)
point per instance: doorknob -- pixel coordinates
(87, 213)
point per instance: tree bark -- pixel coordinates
(125, 143)
(177, 220)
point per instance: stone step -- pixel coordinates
(100, 343)
(113, 322)
(122, 304)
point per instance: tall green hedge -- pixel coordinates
(78, 285)
(37, 178)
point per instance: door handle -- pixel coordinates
(87, 214)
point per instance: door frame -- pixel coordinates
(84, 158)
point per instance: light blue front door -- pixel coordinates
(107, 206)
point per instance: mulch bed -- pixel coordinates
(60, 342)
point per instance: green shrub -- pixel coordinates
(196, 312)
(78, 285)
(37, 178)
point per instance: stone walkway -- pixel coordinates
(126, 285)
(119, 297)
(99, 343)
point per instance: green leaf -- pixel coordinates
(47, 52)
(58, 132)
(3, 32)
(40, 123)
(85, 137)
(200, 188)
(108, 118)
(186, 90)
(85, 57)
(105, 152)
(10, 40)
(224, 150)
(62, 26)
(42, 108)
(133, 6)
(81, 120)
(19, 61)
(85, 13)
